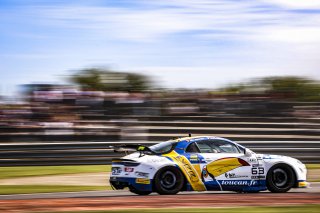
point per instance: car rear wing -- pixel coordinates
(129, 148)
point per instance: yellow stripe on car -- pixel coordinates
(221, 166)
(188, 170)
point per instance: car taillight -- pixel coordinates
(128, 169)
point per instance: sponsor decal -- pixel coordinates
(257, 165)
(128, 169)
(258, 177)
(143, 180)
(233, 175)
(223, 165)
(198, 169)
(252, 160)
(239, 182)
(194, 158)
(188, 170)
(188, 167)
(157, 160)
(142, 174)
(272, 156)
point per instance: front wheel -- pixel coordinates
(280, 178)
(168, 181)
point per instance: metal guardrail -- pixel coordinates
(93, 153)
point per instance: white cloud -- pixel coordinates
(121, 23)
(296, 4)
(220, 19)
(293, 34)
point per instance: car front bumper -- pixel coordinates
(303, 184)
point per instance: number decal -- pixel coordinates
(116, 170)
(257, 171)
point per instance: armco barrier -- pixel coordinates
(93, 153)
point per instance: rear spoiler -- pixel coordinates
(125, 162)
(131, 148)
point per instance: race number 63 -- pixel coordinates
(257, 171)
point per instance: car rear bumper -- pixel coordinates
(142, 184)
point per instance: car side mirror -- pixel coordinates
(247, 152)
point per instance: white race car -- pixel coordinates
(205, 164)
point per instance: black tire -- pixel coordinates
(138, 192)
(280, 178)
(168, 181)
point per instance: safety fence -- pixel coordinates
(93, 153)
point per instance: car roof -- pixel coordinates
(183, 142)
(190, 138)
(196, 138)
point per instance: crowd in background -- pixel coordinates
(64, 104)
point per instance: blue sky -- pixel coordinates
(181, 43)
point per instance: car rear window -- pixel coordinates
(162, 148)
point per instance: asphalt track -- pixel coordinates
(314, 188)
(106, 200)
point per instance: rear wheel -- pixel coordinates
(168, 181)
(280, 178)
(138, 192)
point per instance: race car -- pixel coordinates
(204, 164)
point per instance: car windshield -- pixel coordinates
(161, 148)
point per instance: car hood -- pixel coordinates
(267, 157)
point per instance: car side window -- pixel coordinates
(192, 148)
(217, 146)
(206, 147)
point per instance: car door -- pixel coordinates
(226, 166)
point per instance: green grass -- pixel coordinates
(273, 209)
(28, 171)
(313, 166)
(33, 171)
(29, 189)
